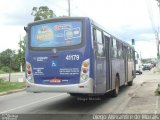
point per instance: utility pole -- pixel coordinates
(21, 70)
(69, 8)
(157, 40)
(157, 34)
(10, 67)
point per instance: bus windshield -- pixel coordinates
(56, 34)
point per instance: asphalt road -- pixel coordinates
(62, 103)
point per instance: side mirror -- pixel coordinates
(25, 28)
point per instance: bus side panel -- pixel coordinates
(114, 71)
(118, 68)
(130, 70)
(122, 72)
(100, 75)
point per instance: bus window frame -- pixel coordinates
(129, 54)
(96, 43)
(83, 35)
(119, 50)
(114, 48)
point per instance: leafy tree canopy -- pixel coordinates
(42, 12)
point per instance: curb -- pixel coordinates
(12, 91)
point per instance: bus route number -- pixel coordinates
(72, 57)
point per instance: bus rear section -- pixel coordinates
(58, 56)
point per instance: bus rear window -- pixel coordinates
(57, 34)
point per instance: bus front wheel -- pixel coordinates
(116, 90)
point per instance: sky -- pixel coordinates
(125, 19)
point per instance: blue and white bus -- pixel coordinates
(77, 56)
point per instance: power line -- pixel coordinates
(157, 36)
(150, 13)
(155, 29)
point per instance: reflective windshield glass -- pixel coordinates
(56, 34)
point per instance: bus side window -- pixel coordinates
(94, 43)
(119, 50)
(123, 52)
(114, 48)
(99, 41)
(99, 36)
(129, 54)
(94, 34)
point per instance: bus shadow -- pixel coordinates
(83, 105)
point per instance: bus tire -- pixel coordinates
(130, 83)
(76, 94)
(73, 94)
(117, 85)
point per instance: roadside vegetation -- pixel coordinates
(11, 60)
(2, 72)
(6, 86)
(157, 92)
(157, 69)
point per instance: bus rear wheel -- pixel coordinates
(116, 90)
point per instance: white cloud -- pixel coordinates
(147, 49)
(10, 36)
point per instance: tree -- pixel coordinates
(21, 53)
(7, 60)
(42, 12)
(10, 60)
(147, 60)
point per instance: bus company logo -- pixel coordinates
(40, 59)
(62, 27)
(44, 33)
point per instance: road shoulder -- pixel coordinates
(144, 100)
(11, 91)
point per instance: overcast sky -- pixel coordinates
(126, 19)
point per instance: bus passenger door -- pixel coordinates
(100, 61)
(107, 56)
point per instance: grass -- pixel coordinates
(8, 86)
(2, 72)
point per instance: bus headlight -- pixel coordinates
(29, 74)
(85, 70)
